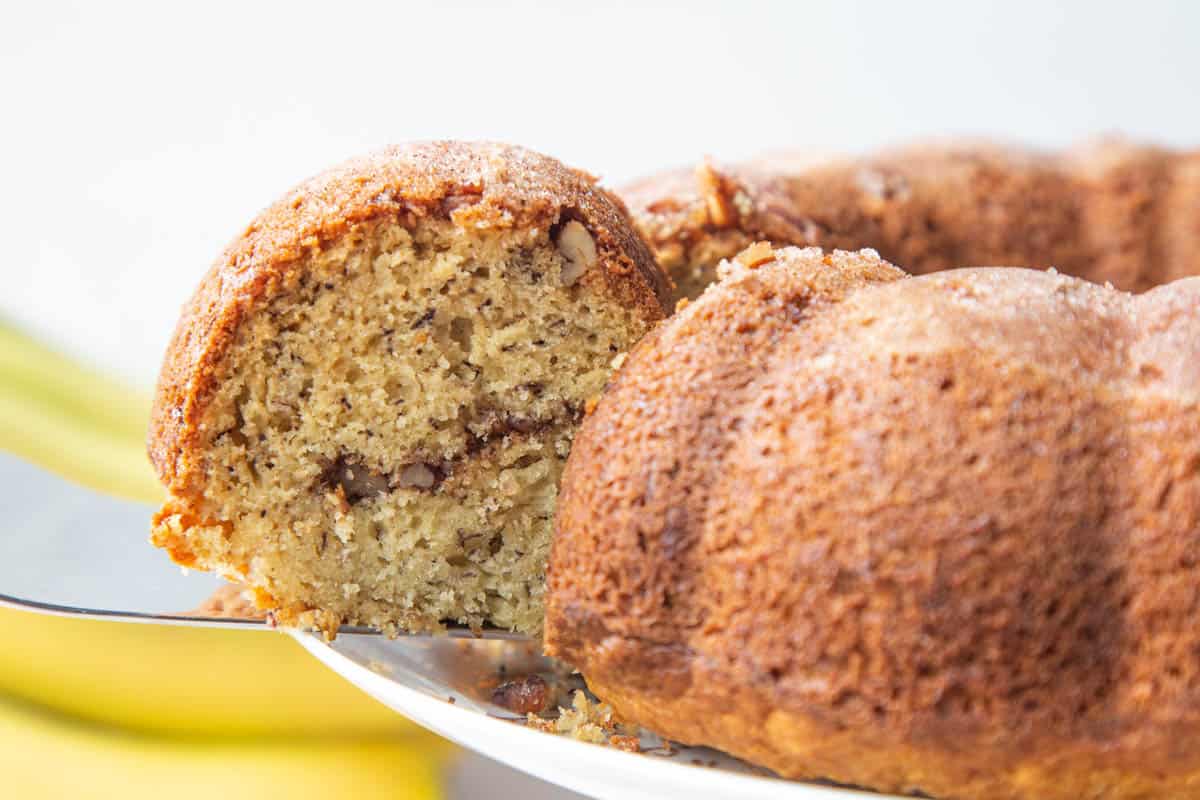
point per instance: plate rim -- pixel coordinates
(539, 752)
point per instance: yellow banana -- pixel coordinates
(178, 680)
(43, 756)
(50, 379)
(71, 421)
(76, 451)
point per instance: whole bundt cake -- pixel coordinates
(1107, 211)
(367, 404)
(934, 534)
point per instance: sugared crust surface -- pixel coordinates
(935, 533)
(1105, 211)
(481, 185)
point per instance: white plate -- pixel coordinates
(410, 676)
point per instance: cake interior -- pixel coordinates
(388, 432)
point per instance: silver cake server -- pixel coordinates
(74, 552)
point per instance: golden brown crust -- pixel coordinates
(933, 533)
(475, 184)
(1108, 211)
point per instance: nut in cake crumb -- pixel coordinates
(578, 248)
(527, 695)
(716, 203)
(417, 476)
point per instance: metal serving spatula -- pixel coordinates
(70, 551)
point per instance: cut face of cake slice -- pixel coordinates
(367, 405)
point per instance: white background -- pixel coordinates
(139, 138)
